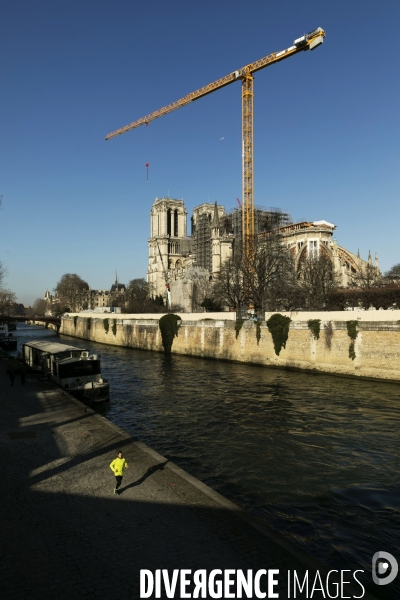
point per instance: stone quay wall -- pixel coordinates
(43, 324)
(376, 347)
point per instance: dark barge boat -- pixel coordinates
(75, 370)
(7, 341)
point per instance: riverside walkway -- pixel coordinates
(65, 535)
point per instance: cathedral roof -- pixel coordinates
(118, 287)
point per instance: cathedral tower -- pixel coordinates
(168, 222)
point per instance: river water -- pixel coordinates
(316, 457)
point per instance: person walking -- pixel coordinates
(117, 467)
(11, 375)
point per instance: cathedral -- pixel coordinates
(176, 259)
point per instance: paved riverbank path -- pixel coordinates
(65, 535)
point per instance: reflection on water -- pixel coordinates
(316, 457)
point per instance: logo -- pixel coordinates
(384, 563)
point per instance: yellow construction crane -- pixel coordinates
(309, 41)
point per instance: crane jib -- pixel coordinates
(308, 41)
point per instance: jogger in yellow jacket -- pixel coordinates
(117, 467)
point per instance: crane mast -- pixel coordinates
(308, 41)
(247, 165)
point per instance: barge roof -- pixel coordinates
(51, 347)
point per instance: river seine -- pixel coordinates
(316, 457)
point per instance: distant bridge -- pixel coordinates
(34, 320)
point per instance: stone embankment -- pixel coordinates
(43, 324)
(370, 348)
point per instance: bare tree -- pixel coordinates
(270, 273)
(7, 299)
(367, 278)
(394, 273)
(57, 308)
(230, 288)
(284, 292)
(317, 278)
(72, 291)
(264, 278)
(41, 307)
(3, 272)
(136, 295)
(138, 298)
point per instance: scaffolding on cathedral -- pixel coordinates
(202, 242)
(265, 219)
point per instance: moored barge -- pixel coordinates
(75, 370)
(7, 341)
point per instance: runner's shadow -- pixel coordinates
(150, 471)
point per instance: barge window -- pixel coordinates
(79, 368)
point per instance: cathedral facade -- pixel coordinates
(176, 259)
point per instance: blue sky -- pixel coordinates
(326, 125)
